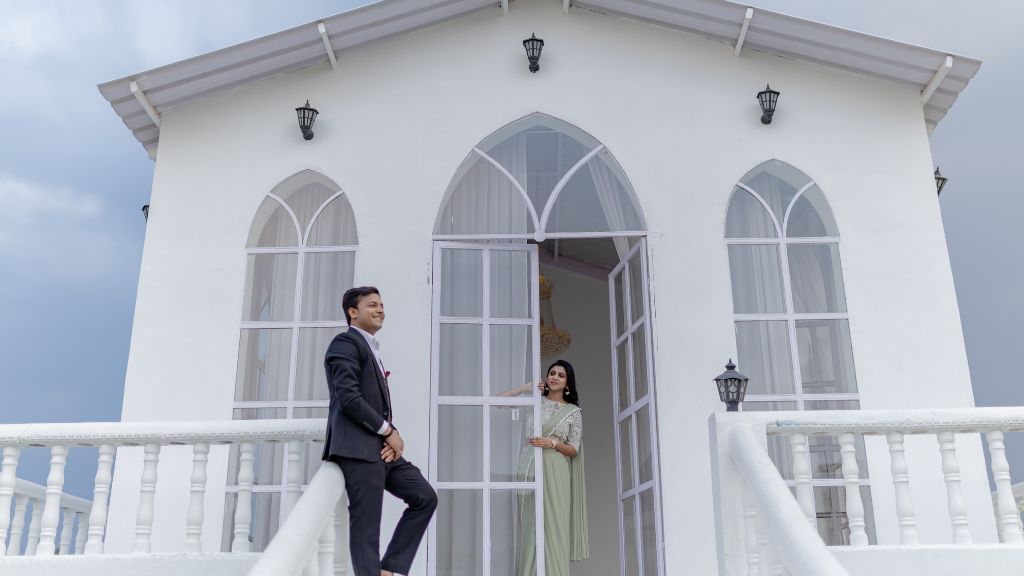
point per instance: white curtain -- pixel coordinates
(610, 195)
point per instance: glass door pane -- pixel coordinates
(636, 440)
(484, 407)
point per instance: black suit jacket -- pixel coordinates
(359, 399)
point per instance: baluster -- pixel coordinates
(51, 508)
(243, 501)
(325, 550)
(147, 492)
(802, 476)
(17, 525)
(293, 486)
(194, 522)
(341, 536)
(1009, 514)
(34, 528)
(751, 526)
(851, 480)
(83, 529)
(954, 492)
(65, 532)
(901, 484)
(8, 477)
(101, 490)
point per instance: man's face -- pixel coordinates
(369, 314)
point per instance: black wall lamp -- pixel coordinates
(768, 98)
(940, 181)
(307, 115)
(732, 387)
(533, 47)
(145, 212)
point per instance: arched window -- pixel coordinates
(792, 327)
(539, 177)
(300, 260)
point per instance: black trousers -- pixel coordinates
(365, 483)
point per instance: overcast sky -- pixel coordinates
(73, 180)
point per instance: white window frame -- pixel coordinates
(289, 404)
(798, 397)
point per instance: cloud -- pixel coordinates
(24, 203)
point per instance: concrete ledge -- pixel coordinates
(130, 565)
(949, 560)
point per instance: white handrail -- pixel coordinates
(881, 422)
(293, 545)
(142, 433)
(798, 546)
(38, 492)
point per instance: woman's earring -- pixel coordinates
(565, 393)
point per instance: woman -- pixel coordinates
(565, 498)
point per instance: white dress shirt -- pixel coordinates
(375, 348)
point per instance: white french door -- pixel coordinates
(636, 446)
(486, 341)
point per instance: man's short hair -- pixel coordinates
(353, 296)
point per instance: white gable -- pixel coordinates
(139, 99)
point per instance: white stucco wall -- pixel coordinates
(679, 114)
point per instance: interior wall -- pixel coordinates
(580, 305)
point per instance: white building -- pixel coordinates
(633, 173)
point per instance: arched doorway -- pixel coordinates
(539, 195)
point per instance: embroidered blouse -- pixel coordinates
(570, 429)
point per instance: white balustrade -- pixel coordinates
(51, 505)
(325, 548)
(101, 491)
(901, 485)
(196, 505)
(954, 491)
(741, 511)
(243, 503)
(8, 471)
(802, 476)
(340, 536)
(17, 525)
(1007, 512)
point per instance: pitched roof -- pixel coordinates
(139, 99)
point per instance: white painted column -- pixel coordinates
(1008, 520)
(65, 532)
(954, 491)
(147, 492)
(51, 507)
(901, 484)
(8, 477)
(83, 530)
(851, 481)
(243, 502)
(293, 483)
(101, 491)
(194, 521)
(34, 527)
(17, 525)
(802, 476)
(751, 526)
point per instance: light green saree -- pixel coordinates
(565, 507)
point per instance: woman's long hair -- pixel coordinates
(570, 394)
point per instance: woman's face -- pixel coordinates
(557, 379)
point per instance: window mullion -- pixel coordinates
(787, 288)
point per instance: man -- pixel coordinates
(363, 441)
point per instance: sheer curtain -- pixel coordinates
(609, 195)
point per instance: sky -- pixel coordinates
(73, 181)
